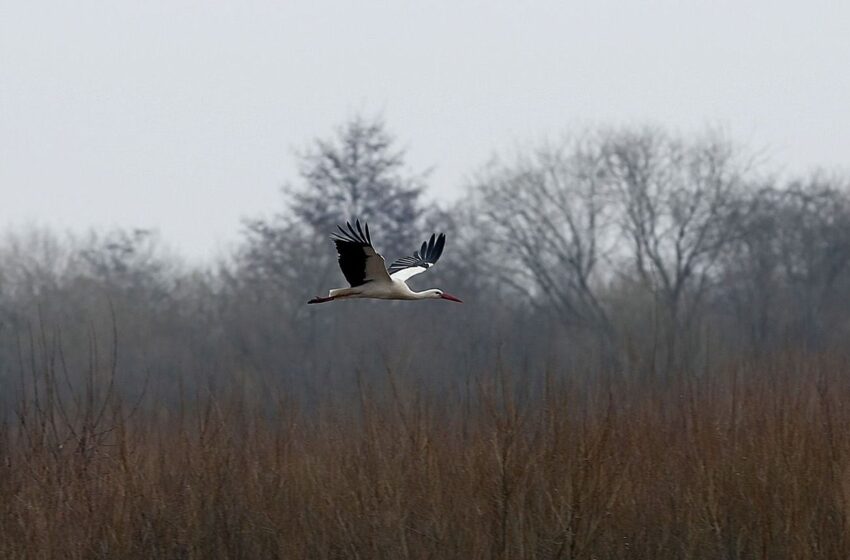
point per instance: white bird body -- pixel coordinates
(366, 271)
(396, 289)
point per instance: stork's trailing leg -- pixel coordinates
(319, 299)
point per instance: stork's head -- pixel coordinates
(440, 294)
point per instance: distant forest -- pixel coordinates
(630, 250)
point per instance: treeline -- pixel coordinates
(637, 250)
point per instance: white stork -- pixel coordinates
(367, 274)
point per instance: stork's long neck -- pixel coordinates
(404, 292)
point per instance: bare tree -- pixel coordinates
(360, 174)
(751, 286)
(783, 274)
(678, 202)
(127, 259)
(548, 216)
(813, 237)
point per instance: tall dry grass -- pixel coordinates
(751, 462)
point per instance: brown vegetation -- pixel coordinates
(750, 463)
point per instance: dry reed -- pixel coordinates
(751, 462)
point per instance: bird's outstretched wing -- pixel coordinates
(358, 260)
(421, 260)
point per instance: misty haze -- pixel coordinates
(624, 232)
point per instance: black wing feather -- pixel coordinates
(426, 256)
(351, 249)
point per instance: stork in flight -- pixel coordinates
(367, 274)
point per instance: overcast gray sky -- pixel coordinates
(182, 116)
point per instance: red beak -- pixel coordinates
(450, 298)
